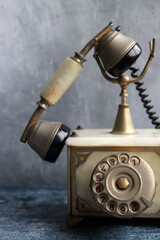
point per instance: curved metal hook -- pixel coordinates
(152, 45)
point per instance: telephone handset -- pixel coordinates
(114, 53)
(120, 168)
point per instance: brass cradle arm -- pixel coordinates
(152, 45)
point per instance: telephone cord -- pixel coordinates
(146, 102)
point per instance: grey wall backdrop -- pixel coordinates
(35, 38)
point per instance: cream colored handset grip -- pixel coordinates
(54, 90)
(61, 81)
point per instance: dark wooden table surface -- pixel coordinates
(36, 212)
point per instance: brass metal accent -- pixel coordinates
(81, 157)
(123, 116)
(148, 203)
(90, 44)
(79, 127)
(35, 116)
(80, 57)
(122, 183)
(82, 206)
(31, 122)
(43, 104)
(118, 148)
(74, 134)
(123, 123)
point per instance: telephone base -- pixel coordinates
(114, 175)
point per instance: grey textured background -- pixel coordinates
(35, 38)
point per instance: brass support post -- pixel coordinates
(123, 123)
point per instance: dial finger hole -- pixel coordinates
(103, 167)
(124, 158)
(112, 160)
(111, 206)
(134, 161)
(102, 198)
(134, 207)
(98, 188)
(98, 177)
(123, 208)
(122, 183)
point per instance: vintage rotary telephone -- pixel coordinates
(110, 173)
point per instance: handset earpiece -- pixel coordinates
(47, 139)
(117, 52)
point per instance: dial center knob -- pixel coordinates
(122, 183)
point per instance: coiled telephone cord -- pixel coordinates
(144, 98)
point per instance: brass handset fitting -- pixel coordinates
(123, 123)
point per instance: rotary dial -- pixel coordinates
(123, 184)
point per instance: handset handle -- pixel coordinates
(62, 80)
(54, 90)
